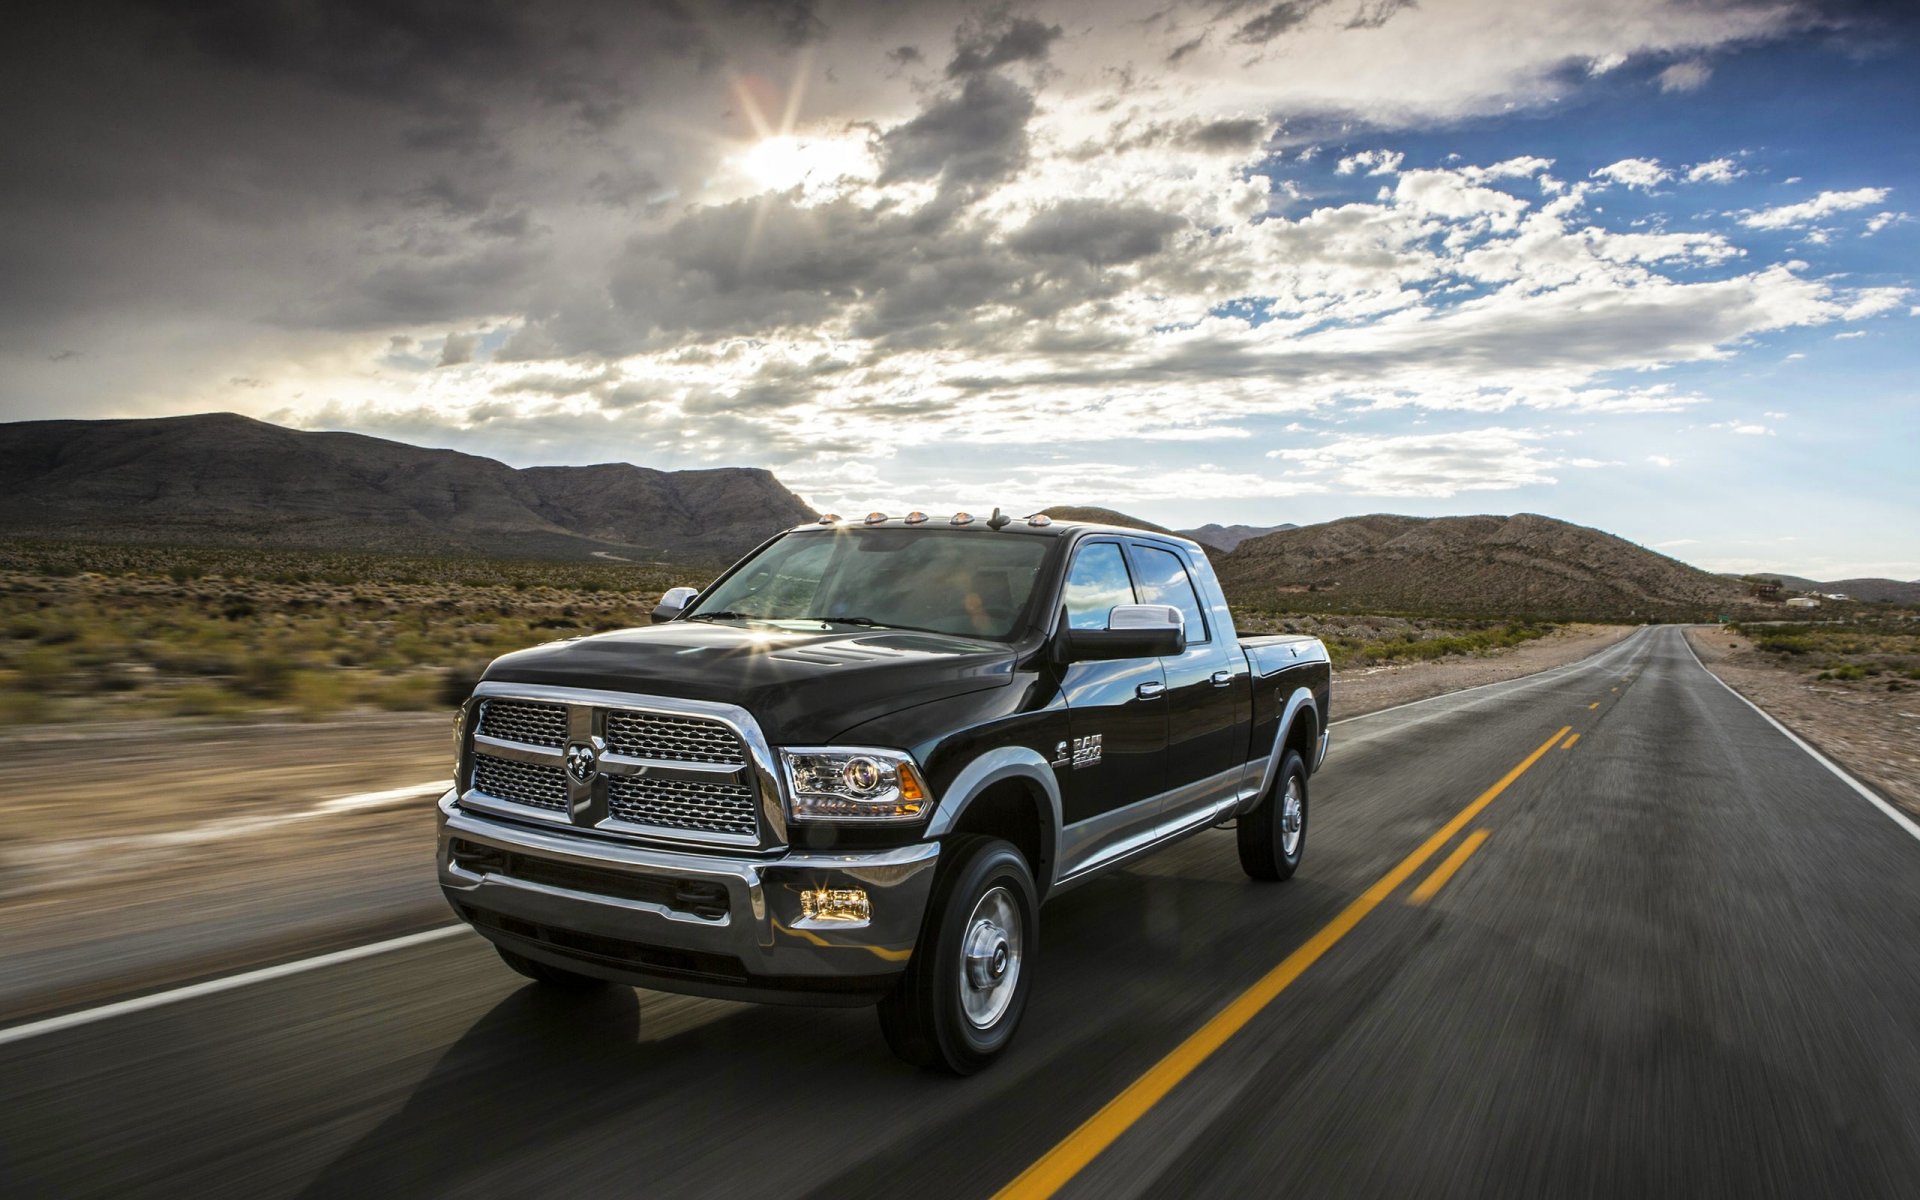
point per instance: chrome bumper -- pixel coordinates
(710, 924)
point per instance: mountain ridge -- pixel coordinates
(228, 479)
(1524, 563)
(1227, 538)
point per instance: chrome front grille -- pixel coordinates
(521, 783)
(673, 738)
(634, 766)
(684, 804)
(525, 722)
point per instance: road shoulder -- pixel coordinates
(1870, 734)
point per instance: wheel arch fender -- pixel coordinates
(1300, 703)
(1006, 764)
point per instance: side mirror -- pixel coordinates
(1133, 631)
(673, 603)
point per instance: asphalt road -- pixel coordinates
(1684, 960)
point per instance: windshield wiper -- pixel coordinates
(867, 621)
(724, 616)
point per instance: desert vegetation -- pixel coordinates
(92, 631)
(1367, 640)
(1881, 651)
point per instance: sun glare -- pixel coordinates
(785, 161)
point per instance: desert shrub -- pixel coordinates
(317, 694)
(409, 693)
(266, 677)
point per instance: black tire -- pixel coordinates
(925, 1018)
(557, 978)
(1263, 833)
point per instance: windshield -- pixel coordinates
(938, 581)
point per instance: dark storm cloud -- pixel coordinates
(1236, 134)
(896, 276)
(977, 136)
(1372, 14)
(1096, 232)
(1277, 20)
(1020, 40)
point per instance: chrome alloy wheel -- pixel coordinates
(1291, 817)
(992, 958)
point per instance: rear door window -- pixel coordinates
(1164, 580)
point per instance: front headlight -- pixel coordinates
(852, 783)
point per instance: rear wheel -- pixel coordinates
(1274, 835)
(557, 978)
(958, 1002)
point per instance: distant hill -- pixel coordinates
(1229, 537)
(230, 480)
(1872, 590)
(1100, 516)
(1519, 564)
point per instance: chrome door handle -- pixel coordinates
(1148, 691)
(1222, 678)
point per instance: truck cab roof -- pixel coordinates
(1049, 527)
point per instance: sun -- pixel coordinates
(783, 161)
(777, 163)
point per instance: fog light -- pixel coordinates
(835, 904)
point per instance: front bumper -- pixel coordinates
(708, 924)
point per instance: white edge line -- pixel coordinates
(227, 983)
(1496, 683)
(1899, 818)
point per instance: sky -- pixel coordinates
(1647, 265)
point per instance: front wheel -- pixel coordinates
(959, 1000)
(1274, 835)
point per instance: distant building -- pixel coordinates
(1765, 589)
(1838, 596)
(1803, 602)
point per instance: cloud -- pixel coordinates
(1021, 39)
(1095, 232)
(1278, 19)
(1642, 173)
(976, 136)
(1747, 428)
(1688, 76)
(1429, 465)
(1880, 221)
(1373, 162)
(1659, 460)
(458, 348)
(1807, 211)
(1718, 170)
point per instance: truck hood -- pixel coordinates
(803, 686)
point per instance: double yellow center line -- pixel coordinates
(1060, 1164)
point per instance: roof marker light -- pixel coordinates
(1039, 520)
(874, 518)
(961, 519)
(829, 518)
(916, 518)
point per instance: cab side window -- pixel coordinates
(1163, 580)
(1098, 581)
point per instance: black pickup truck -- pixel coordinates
(852, 768)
